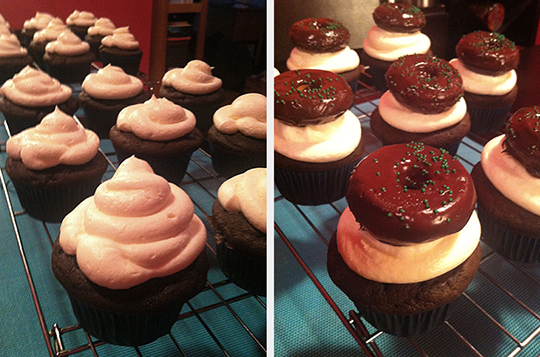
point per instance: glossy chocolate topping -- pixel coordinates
(425, 83)
(487, 52)
(399, 18)
(410, 193)
(310, 96)
(522, 138)
(319, 35)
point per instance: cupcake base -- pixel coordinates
(9, 67)
(128, 60)
(68, 69)
(247, 272)
(489, 112)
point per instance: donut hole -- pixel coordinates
(427, 73)
(413, 178)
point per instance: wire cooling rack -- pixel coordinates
(498, 315)
(36, 315)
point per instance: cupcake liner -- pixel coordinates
(16, 125)
(509, 244)
(245, 271)
(124, 329)
(379, 79)
(487, 120)
(130, 64)
(407, 325)
(69, 73)
(99, 121)
(53, 204)
(229, 164)
(314, 188)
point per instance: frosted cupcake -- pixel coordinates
(54, 166)
(30, 95)
(41, 38)
(33, 25)
(121, 49)
(238, 136)
(239, 219)
(13, 57)
(130, 256)
(105, 93)
(79, 22)
(195, 88)
(101, 28)
(159, 132)
(68, 59)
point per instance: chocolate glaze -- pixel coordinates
(310, 96)
(425, 83)
(399, 18)
(522, 138)
(410, 193)
(487, 53)
(319, 35)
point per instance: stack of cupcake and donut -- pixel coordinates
(424, 103)
(408, 243)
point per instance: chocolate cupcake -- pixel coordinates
(105, 93)
(239, 220)
(129, 262)
(13, 57)
(507, 180)
(101, 28)
(33, 25)
(30, 95)
(487, 62)
(317, 139)
(121, 49)
(79, 22)
(408, 244)
(54, 166)
(424, 103)
(195, 88)
(159, 132)
(397, 32)
(238, 137)
(36, 48)
(322, 43)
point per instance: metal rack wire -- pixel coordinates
(222, 320)
(498, 315)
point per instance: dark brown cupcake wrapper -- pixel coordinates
(509, 244)
(314, 188)
(487, 120)
(245, 271)
(122, 329)
(378, 76)
(228, 164)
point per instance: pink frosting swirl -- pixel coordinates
(111, 82)
(38, 22)
(156, 119)
(121, 38)
(81, 18)
(58, 139)
(195, 78)
(102, 27)
(11, 47)
(51, 32)
(33, 88)
(246, 114)
(136, 227)
(68, 44)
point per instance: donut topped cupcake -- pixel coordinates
(319, 35)
(488, 52)
(399, 18)
(522, 138)
(425, 82)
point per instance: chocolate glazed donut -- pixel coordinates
(310, 96)
(425, 83)
(410, 193)
(399, 18)
(522, 138)
(488, 53)
(319, 35)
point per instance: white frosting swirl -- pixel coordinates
(68, 44)
(58, 139)
(246, 193)
(51, 32)
(195, 78)
(3, 22)
(403, 118)
(483, 84)
(121, 38)
(111, 82)
(38, 22)
(102, 27)
(81, 18)
(156, 119)
(136, 227)
(246, 114)
(4, 30)
(318, 143)
(389, 46)
(337, 62)
(11, 47)
(385, 263)
(510, 177)
(33, 88)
